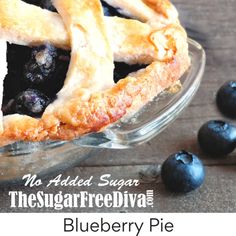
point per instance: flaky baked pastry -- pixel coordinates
(145, 32)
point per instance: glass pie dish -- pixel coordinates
(45, 158)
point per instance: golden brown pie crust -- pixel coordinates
(87, 102)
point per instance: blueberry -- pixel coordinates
(123, 69)
(41, 65)
(217, 138)
(182, 172)
(47, 4)
(226, 99)
(110, 11)
(30, 102)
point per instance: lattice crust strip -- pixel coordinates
(131, 41)
(160, 11)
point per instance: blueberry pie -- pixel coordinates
(71, 67)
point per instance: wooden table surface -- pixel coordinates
(212, 23)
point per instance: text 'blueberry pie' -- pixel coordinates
(71, 67)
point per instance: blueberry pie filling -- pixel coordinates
(45, 4)
(111, 11)
(36, 75)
